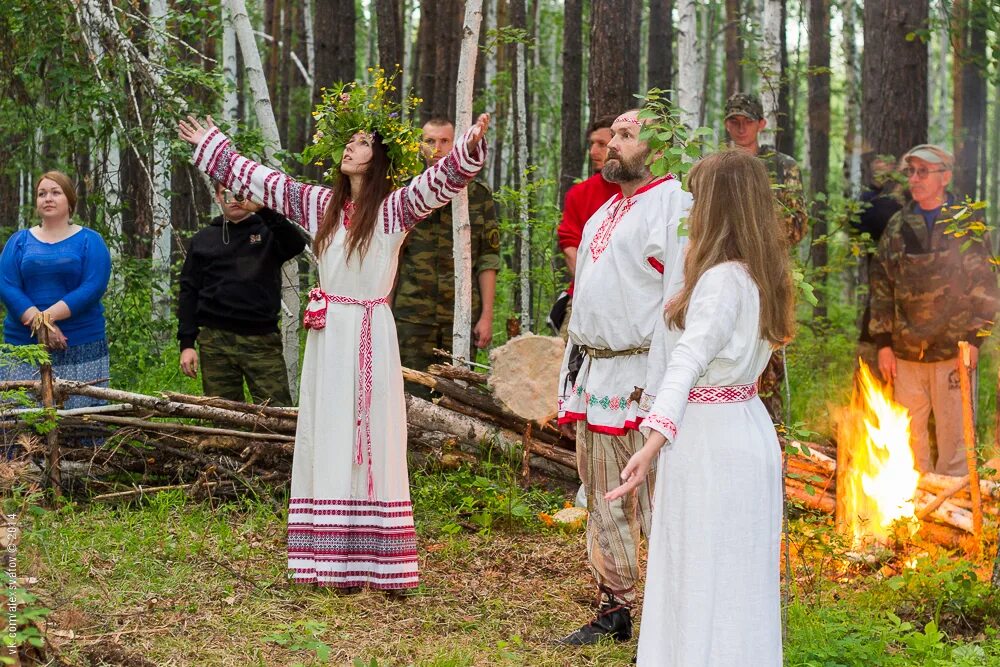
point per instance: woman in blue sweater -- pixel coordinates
(55, 274)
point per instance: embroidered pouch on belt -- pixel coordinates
(315, 315)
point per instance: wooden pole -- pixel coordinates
(969, 427)
(52, 437)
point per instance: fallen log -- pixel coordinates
(237, 406)
(141, 491)
(187, 428)
(457, 373)
(478, 434)
(510, 421)
(945, 494)
(175, 409)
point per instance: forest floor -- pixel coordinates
(173, 582)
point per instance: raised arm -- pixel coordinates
(214, 154)
(437, 185)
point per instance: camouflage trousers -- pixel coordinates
(416, 349)
(227, 359)
(613, 528)
(771, 387)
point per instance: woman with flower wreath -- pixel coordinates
(350, 520)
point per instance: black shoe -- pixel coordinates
(613, 620)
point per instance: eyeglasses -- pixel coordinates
(230, 197)
(922, 172)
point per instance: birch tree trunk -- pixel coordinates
(272, 143)
(162, 236)
(690, 66)
(520, 113)
(770, 63)
(230, 99)
(852, 103)
(461, 229)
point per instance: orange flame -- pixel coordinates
(877, 486)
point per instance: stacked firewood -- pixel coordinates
(943, 503)
(212, 445)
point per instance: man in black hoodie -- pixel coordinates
(230, 297)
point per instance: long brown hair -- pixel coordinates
(375, 187)
(733, 218)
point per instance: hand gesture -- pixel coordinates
(193, 131)
(249, 205)
(189, 362)
(482, 334)
(635, 471)
(887, 364)
(478, 131)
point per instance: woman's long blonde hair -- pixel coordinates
(733, 218)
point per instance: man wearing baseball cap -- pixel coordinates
(931, 288)
(744, 121)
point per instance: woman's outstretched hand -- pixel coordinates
(194, 130)
(478, 131)
(635, 471)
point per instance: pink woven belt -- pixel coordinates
(363, 414)
(736, 393)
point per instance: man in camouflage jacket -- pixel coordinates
(424, 299)
(931, 288)
(744, 121)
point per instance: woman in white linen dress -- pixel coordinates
(712, 586)
(350, 520)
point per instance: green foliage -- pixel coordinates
(942, 587)
(545, 273)
(673, 148)
(349, 108)
(304, 636)
(483, 499)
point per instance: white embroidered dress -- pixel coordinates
(630, 258)
(350, 521)
(712, 582)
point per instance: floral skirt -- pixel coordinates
(89, 362)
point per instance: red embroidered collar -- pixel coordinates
(620, 205)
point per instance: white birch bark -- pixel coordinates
(461, 229)
(490, 75)
(690, 66)
(231, 100)
(307, 11)
(770, 63)
(162, 230)
(272, 143)
(852, 103)
(521, 120)
(110, 163)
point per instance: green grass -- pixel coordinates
(183, 583)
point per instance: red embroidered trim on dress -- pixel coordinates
(619, 207)
(661, 423)
(736, 393)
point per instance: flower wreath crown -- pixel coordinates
(348, 108)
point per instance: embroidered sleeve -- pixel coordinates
(434, 188)
(664, 425)
(709, 325)
(300, 202)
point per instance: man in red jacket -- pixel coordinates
(583, 200)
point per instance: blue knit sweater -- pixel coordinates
(34, 273)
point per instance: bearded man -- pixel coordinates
(629, 262)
